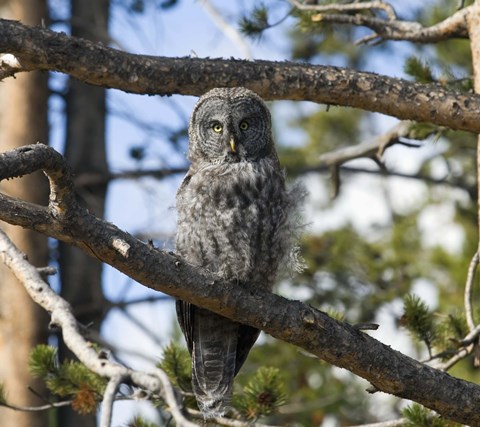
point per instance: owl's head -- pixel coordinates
(230, 125)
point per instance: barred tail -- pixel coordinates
(213, 360)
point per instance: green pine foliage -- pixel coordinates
(419, 320)
(419, 70)
(67, 380)
(256, 23)
(355, 275)
(418, 416)
(138, 421)
(43, 360)
(421, 131)
(177, 365)
(451, 330)
(440, 332)
(312, 387)
(263, 395)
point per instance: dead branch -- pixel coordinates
(374, 148)
(455, 26)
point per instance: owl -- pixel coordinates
(236, 219)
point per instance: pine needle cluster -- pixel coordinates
(69, 379)
(419, 70)
(138, 421)
(442, 333)
(177, 365)
(418, 416)
(254, 25)
(263, 395)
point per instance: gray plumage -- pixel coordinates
(236, 219)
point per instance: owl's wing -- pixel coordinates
(247, 335)
(186, 179)
(185, 320)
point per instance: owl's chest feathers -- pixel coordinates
(231, 219)
(235, 186)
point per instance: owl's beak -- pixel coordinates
(232, 145)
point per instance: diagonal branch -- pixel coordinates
(43, 49)
(292, 321)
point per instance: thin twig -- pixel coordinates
(464, 352)
(36, 408)
(466, 349)
(109, 399)
(468, 292)
(170, 399)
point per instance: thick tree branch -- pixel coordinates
(43, 49)
(292, 321)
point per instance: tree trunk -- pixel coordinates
(85, 151)
(23, 324)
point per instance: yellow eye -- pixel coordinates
(217, 127)
(244, 125)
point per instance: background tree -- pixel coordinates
(23, 120)
(80, 274)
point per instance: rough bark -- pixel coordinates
(80, 274)
(335, 342)
(93, 63)
(23, 120)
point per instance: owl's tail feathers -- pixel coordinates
(213, 359)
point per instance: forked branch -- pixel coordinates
(392, 28)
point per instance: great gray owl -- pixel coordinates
(235, 219)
